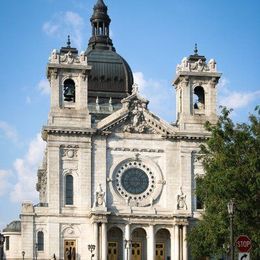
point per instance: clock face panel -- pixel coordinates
(135, 181)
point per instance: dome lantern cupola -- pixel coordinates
(100, 21)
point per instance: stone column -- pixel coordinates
(185, 247)
(104, 241)
(150, 243)
(172, 242)
(176, 243)
(96, 242)
(127, 243)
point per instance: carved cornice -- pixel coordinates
(187, 137)
(66, 131)
(135, 217)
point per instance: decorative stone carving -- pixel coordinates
(70, 152)
(54, 58)
(42, 184)
(69, 58)
(71, 171)
(54, 74)
(198, 66)
(100, 197)
(212, 65)
(137, 120)
(181, 200)
(70, 230)
(83, 57)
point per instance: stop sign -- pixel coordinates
(243, 243)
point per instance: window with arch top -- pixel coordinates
(69, 90)
(199, 98)
(69, 190)
(40, 241)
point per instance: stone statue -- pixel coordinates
(137, 112)
(212, 65)
(135, 88)
(181, 200)
(138, 123)
(100, 197)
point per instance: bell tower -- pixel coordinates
(195, 85)
(67, 73)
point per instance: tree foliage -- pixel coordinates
(232, 170)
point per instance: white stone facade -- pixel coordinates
(132, 175)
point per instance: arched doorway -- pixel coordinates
(139, 244)
(115, 244)
(162, 244)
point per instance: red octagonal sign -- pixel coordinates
(243, 243)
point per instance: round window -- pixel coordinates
(135, 181)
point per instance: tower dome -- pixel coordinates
(110, 78)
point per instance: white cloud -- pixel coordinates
(26, 171)
(239, 99)
(63, 24)
(235, 99)
(50, 29)
(8, 131)
(5, 184)
(44, 87)
(159, 93)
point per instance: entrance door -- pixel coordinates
(112, 251)
(70, 250)
(160, 252)
(136, 251)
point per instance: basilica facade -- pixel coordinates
(116, 182)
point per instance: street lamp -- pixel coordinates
(2, 241)
(23, 253)
(91, 248)
(230, 207)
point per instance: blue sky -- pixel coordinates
(153, 36)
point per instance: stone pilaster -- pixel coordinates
(150, 243)
(176, 243)
(184, 243)
(104, 241)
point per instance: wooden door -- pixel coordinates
(112, 251)
(136, 251)
(70, 250)
(160, 251)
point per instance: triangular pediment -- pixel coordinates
(134, 117)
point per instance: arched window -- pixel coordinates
(69, 90)
(40, 241)
(69, 190)
(199, 203)
(199, 98)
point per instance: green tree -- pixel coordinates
(232, 170)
